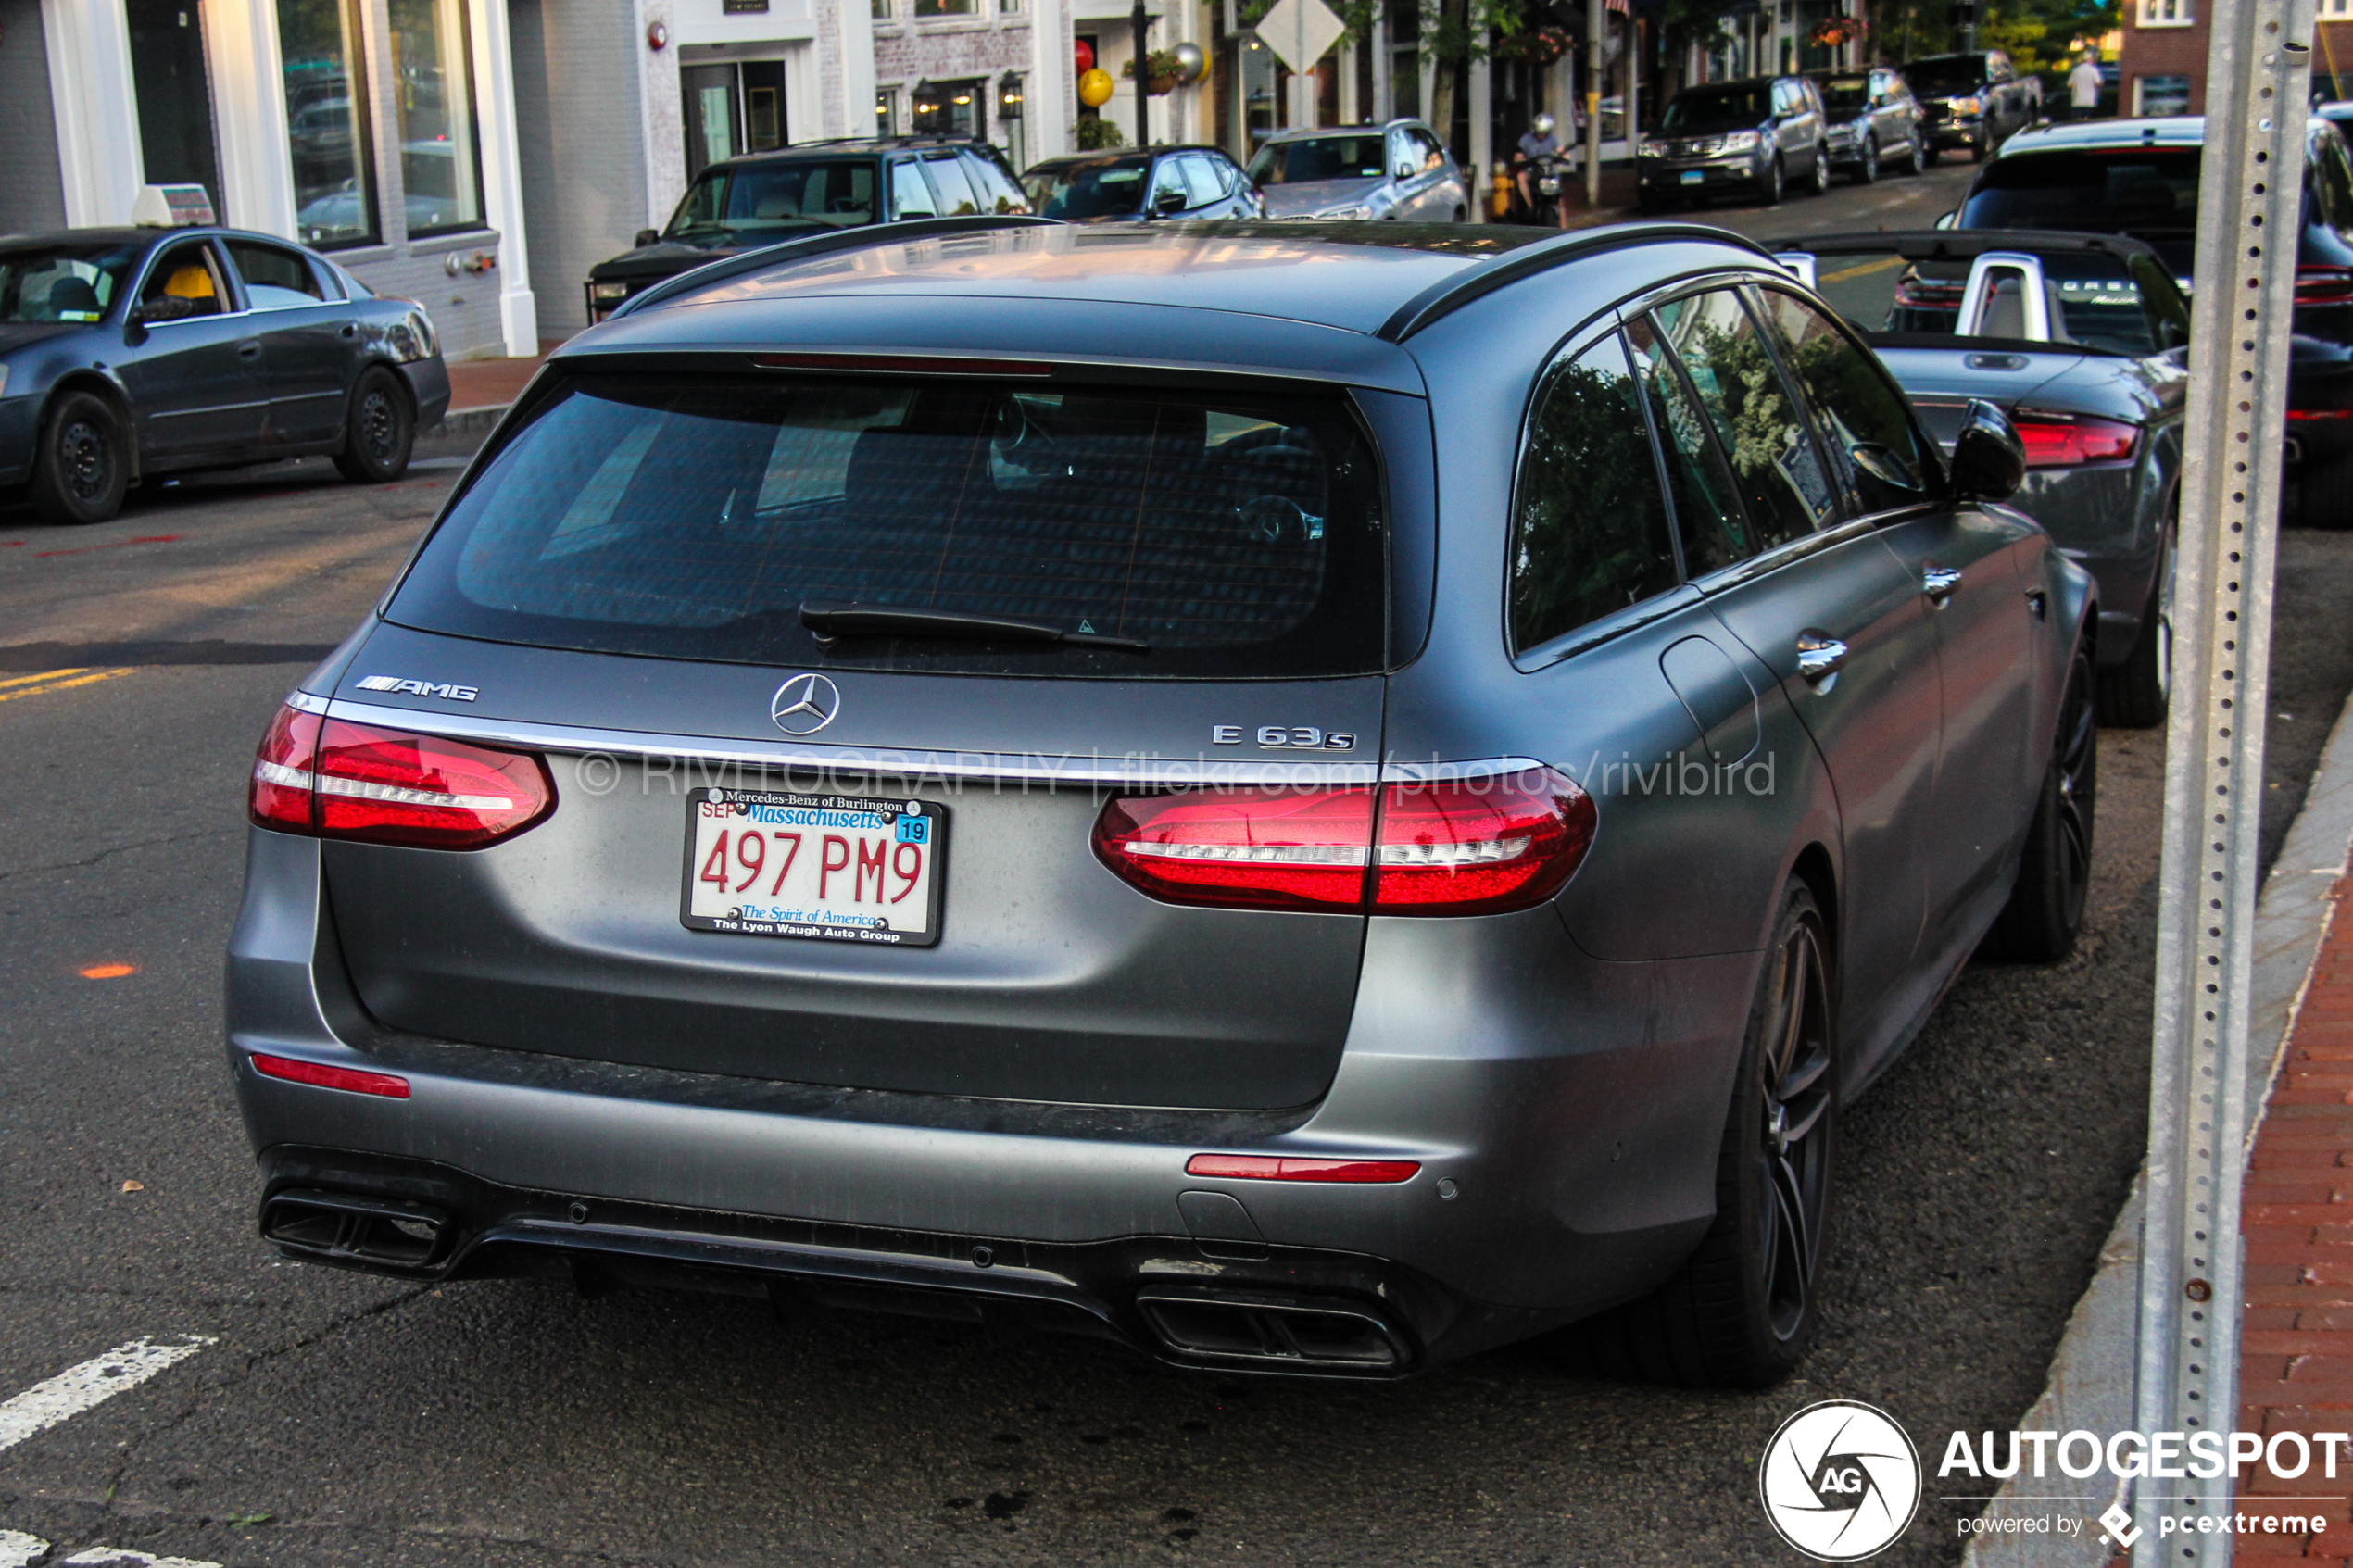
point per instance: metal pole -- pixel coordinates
(2257, 67)
(1633, 83)
(1480, 71)
(1593, 14)
(1142, 25)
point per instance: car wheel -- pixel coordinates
(1867, 172)
(2045, 912)
(1741, 1312)
(2134, 694)
(83, 466)
(1818, 182)
(1461, 216)
(1978, 149)
(379, 431)
(1916, 158)
(2324, 494)
(1774, 182)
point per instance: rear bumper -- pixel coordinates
(1954, 133)
(1567, 1141)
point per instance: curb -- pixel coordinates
(469, 421)
(2093, 1372)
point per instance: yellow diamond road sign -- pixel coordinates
(1299, 31)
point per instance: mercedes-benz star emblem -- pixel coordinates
(805, 705)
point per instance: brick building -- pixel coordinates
(2162, 67)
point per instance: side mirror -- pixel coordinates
(1167, 202)
(1989, 461)
(648, 237)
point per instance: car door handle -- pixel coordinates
(1941, 582)
(251, 350)
(1820, 655)
(351, 329)
(2039, 602)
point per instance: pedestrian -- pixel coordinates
(2083, 85)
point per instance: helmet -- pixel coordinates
(1542, 125)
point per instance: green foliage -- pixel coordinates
(1098, 134)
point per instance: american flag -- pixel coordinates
(1621, 6)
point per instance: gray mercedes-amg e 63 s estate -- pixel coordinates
(1307, 801)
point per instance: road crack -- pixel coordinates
(117, 849)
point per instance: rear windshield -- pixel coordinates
(1318, 157)
(2128, 305)
(1945, 73)
(2147, 191)
(772, 199)
(692, 519)
(1846, 95)
(1718, 108)
(1087, 190)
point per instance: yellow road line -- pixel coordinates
(80, 679)
(1863, 269)
(44, 675)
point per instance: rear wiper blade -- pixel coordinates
(842, 617)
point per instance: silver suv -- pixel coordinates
(1751, 138)
(1402, 169)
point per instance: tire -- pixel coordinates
(379, 431)
(2045, 913)
(1917, 158)
(83, 469)
(1775, 184)
(2133, 695)
(1978, 150)
(1742, 1311)
(2324, 494)
(1866, 172)
(1819, 185)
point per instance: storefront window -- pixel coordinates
(440, 163)
(944, 7)
(326, 99)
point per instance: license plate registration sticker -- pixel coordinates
(835, 867)
(1695, 177)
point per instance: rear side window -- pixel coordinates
(956, 198)
(1783, 486)
(997, 191)
(1707, 507)
(1590, 527)
(910, 197)
(692, 517)
(274, 279)
(1864, 419)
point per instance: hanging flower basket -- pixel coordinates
(1830, 31)
(1163, 70)
(1540, 46)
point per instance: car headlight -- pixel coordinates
(1740, 142)
(1347, 212)
(1650, 150)
(608, 291)
(1967, 106)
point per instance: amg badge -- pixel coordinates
(418, 688)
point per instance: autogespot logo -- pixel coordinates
(1839, 1481)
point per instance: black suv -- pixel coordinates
(2139, 177)
(1187, 182)
(1973, 102)
(742, 203)
(1753, 137)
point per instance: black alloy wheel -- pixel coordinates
(1742, 1311)
(2134, 694)
(1867, 174)
(379, 431)
(83, 469)
(2044, 915)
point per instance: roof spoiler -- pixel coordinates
(860, 238)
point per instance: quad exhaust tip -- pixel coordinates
(334, 1226)
(1275, 1332)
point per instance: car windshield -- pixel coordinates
(2150, 192)
(1318, 157)
(765, 199)
(1100, 188)
(62, 283)
(1717, 108)
(2125, 304)
(691, 518)
(1945, 73)
(1846, 95)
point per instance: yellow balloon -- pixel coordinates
(1094, 88)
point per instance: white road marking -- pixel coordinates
(17, 1548)
(94, 1382)
(115, 1557)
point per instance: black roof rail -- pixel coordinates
(857, 238)
(1449, 294)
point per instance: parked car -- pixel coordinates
(2083, 340)
(1972, 102)
(2339, 114)
(126, 354)
(1184, 182)
(1402, 169)
(742, 203)
(1042, 800)
(1748, 138)
(2139, 177)
(1872, 118)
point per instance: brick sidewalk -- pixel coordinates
(493, 383)
(2296, 1369)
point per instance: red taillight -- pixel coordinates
(1271, 1168)
(322, 1077)
(2320, 413)
(1461, 846)
(341, 780)
(2325, 285)
(2055, 441)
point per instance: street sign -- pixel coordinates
(1299, 31)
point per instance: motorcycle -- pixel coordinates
(1548, 176)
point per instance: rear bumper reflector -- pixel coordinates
(1270, 1168)
(319, 1075)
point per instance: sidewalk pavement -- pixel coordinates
(2296, 1348)
(480, 389)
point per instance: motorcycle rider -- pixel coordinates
(1537, 142)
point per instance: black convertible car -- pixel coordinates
(129, 353)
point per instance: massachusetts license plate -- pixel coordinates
(1695, 177)
(838, 867)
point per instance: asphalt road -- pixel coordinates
(336, 1420)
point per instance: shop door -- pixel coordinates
(763, 84)
(174, 93)
(713, 113)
